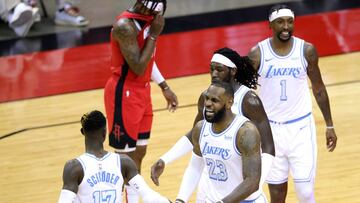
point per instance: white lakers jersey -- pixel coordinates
(236, 108)
(284, 88)
(223, 162)
(102, 180)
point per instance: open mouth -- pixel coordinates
(209, 113)
(285, 34)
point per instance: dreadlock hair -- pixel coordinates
(155, 3)
(277, 7)
(245, 71)
(92, 121)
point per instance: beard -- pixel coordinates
(217, 116)
(282, 39)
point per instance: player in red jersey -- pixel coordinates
(127, 92)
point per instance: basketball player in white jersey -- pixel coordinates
(284, 63)
(97, 175)
(227, 146)
(228, 66)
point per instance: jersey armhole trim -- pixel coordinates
(235, 137)
(302, 55)
(261, 58)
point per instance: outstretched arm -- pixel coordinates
(320, 94)
(248, 143)
(72, 176)
(181, 147)
(137, 182)
(194, 170)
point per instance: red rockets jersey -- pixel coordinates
(118, 63)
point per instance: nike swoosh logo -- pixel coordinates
(266, 60)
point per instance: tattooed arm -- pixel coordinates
(320, 93)
(248, 143)
(125, 32)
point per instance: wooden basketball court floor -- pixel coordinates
(31, 161)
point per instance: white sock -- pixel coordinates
(131, 195)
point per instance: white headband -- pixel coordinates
(281, 13)
(159, 7)
(223, 60)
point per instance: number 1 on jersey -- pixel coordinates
(283, 96)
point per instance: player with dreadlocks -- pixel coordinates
(228, 66)
(127, 92)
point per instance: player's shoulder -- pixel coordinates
(255, 56)
(310, 51)
(252, 99)
(248, 129)
(255, 50)
(123, 22)
(199, 124)
(256, 47)
(197, 128)
(124, 27)
(307, 45)
(73, 166)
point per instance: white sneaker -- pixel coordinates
(21, 15)
(23, 30)
(64, 18)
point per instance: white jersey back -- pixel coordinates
(284, 88)
(223, 162)
(102, 180)
(236, 108)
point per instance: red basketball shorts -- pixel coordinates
(129, 112)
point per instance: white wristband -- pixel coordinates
(148, 195)
(181, 147)
(330, 127)
(156, 75)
